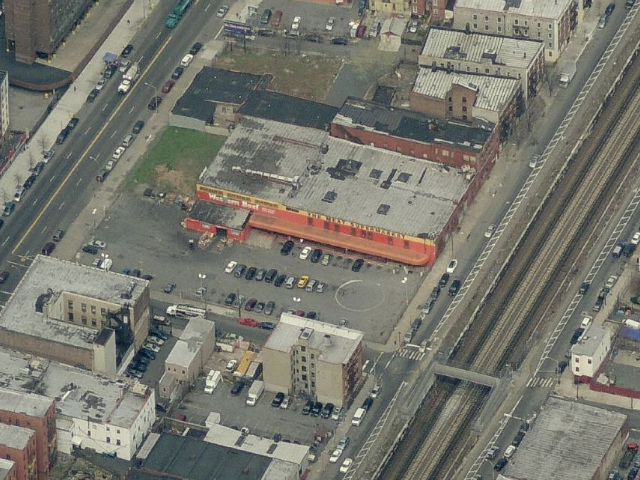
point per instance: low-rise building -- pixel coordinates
(550, 22)
(36, 412)
(192, 350)
(104, 413)
(590, 439)
(479, 54)
(467, 97)
(402, 8)
(18, 444)
(324, 361)
(590, 352)
(76, 314)
(8, 470)
(4, 104)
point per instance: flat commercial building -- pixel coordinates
(191, 352)
(569, 440)
(19, 445)
(466, 97)
(547, 21)
(8, 470)
(324, 361)
(37, 413)
(76, 314)
(36, 28)
(590, 352)
(4, 105)
(480, 54)
(105, 413)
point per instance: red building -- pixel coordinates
(37, 413)
(8, 470)
(18, 444)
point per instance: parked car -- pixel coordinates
(240, 270)
(315, 255)
(453, 264)
(48, 248)
(271, 275)
(269, 307)
(326, 259)
(584, 287)
(304, 254)
(195, 48)
(251, 304)
(267, 325)
(222, 11)
(230, 266)
(278, 399)
(286, 247)
(339, 41)
(4, 277)
(330, 23)
(357, 265)
(302, 282)
(251, 273)
(444, 279)
(266, 16)
(168, 85)
(230, 299)
(62, 136)
(138, 126)
(346, 465)
(177, 73)
(249, 322)
(58, 235)
(276, 19)
(454, 288)
(335, 456)
(154, 103)
(237, 388)
(186, 60)
(489, 232)
(126, 51)
(90, 249)
(93, 94)
(306, 410)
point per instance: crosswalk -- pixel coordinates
(410, 353)
(541, 382)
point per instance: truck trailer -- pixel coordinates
(129, 78)
(255, 392)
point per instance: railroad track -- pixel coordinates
(442, 425)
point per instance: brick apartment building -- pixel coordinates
(8, 470)
(35, 28)
(18, 444)
(37, 413)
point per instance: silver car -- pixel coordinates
(311, 284)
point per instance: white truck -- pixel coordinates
(567, 72)
(358, 417)
(255, 392)
(185, 311)
(129, 78)
(212, 381)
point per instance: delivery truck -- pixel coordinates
(212, 381)
(255, 392)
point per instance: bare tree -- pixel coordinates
(42, 143)
(4, 196)
(32, 161)
(18, 178)
(550, 79)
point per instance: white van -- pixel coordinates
(128, 140)
(358, 417)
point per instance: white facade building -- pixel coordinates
(591, 350)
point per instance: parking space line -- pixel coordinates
(51, 179)
(78, 182)
(5, 241)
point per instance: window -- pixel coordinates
(390, 240)
(550, 36)
(84, 320)
(353, 231)
(93, 322)
(550, 46)
(108, 439)
(450, 108)
(304, 368)
(450, 99)
(304, 378)
(499, 29)
(327, 225)
(464, 99)
(118, 431)
(303, 349)
(310, 221)
(70, 317)
(486, 18)
(312, 356)
(464, 109)
(577, 360)
(475, 26)
(515, 22)
(336, 227)
(118, 441)
(499, 19)
(486, 27)
(303, 358)
(70, 304)
(550, 27)
(406, 244)
(577, 369)
(539, 25)
(475, 17)
(589, 361)
(103, 312)
(83, 307)
(93, 309)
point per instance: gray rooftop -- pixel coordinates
(24, 403)
(15, 437)
(493, 93)
(5, 467)
(568, 441)
(48, 274)
(590, 341)
(191, 339)
(478, 48)
(78, 393)
(284, 164)
(215, 214)
(551, 9)
(343, 341)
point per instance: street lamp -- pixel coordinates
(201, 276)
(155, 95)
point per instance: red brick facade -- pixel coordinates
(25, 459)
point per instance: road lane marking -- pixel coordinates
(51, 179)
(207, 7)
(5, 241)
(61, 205)
(34, 202)
(84, 154)
(132, 109)
(44, 229)
(87, 130)
(69, 156)
(78, 182)
(158, 35)
(105, 106)
(114, 133)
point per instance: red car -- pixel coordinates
(249, 322)
(168, 85)
(155, 102)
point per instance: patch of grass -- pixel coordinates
(306, 76)
(176, 160)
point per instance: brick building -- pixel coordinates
(37, 413)
(35, 28)
(18, 444)
(4, 105)
(8, 470)
(400, 8)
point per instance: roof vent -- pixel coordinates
(324, 148)
(272, 448)
(383, 209)
(375, 173)
(330, 196)
(404, 177)
(386, 184)
(326, 340)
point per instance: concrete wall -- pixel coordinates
(25, 460)
(186, 122)
(104, 356)
(276, 372)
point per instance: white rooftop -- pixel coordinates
(48, 275)
(15, 437)
(493, 93)
(336, 344)
(78, 393)
(567, 441)
(470, 47)
(590, 341)
(25, 403)
(190, 341)
(551, 9)
(5, 467)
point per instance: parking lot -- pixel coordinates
(144, 234)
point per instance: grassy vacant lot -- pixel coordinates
(306, 76)
(175, 161)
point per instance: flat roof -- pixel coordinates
(492, 93)
(5, 467)
(190, 341)
(24, 403)
(287, 109)
(16, 437)
(284, 164)
(584, 433)
(412, 125)
(531, 8)
(215, 85)
(49, 275)
(187, 458)
(266, 447)
(479, 48)
(337, 348)
(78, 393)
(590, 341)
(215, 214)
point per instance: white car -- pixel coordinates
(99, 244)
(306, 251)
(124, 66)
(452, 266)
(490, 229)
(118, 153)
(231, 365)
(375, 391)
(508, 453)
(230, 266)
(329, 26)
(48, 155)
(186, 60)
(611, 281)
(534, 161)
(151, 346)
(296, 23)
(156, 340)
(636, 238)
(413, 26)
(586, 321)
(100, 85)
(286, 403)
(222, 11)
(337, 453)
(110, 164)
(346, 465)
